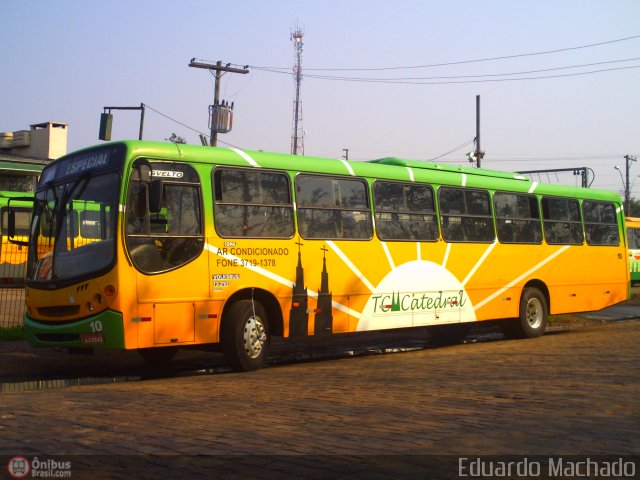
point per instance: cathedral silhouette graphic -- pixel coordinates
(299, 313)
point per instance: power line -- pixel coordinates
(460, 62)
(185, 125)
(525, 72)
(451, 151)
(403, 82)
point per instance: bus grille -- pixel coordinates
(57, 337)
(64, 311)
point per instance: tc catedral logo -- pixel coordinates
(19, 467)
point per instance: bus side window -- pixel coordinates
(172, 236)
(252, 204)
(465, 215)
(600, 225)
(517, 218)
(633, 238)
(562, 222)
(333, 207)
(404, 211)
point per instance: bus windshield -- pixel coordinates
(61, 246)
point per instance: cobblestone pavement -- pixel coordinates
(572, 392)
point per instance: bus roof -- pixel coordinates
(18, 195)
(632, 222)
(385, 168)
(18, 199)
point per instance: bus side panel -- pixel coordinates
(170, 300)
(326, 286)
(585, 278)
(578, 278)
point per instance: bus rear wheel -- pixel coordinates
(533, 316)
(245, 337)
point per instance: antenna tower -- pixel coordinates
(297, 136)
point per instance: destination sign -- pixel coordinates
(78, 165)
(82, 164)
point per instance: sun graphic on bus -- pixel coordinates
(416, 293)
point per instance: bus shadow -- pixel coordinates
(29, 368)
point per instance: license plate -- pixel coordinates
(92, 338)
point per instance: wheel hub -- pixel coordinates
(534, 313)
(255, 336)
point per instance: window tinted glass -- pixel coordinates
(600, 225)
(251, 203)
(451, 200)
(477, 202)
(562, 222)
(465, 215)
(633, 235)
(404, 211)
(173, 236)
(517, 218)
(242, 186)
(333, 207)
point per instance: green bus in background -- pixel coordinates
(633, 234)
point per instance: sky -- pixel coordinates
(66, 60)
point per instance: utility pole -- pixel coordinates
(219, 112)
(478, 153)
(627, 187)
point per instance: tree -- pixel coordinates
(176, 139)
(634, 208)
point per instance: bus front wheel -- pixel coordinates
(245, 336)
(533, 316)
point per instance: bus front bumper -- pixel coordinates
(104, 330)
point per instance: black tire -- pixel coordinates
(245, 336)
(532, 321)
(158, 355)
(449, 334)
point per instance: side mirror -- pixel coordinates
(11, 229)
(155, 196)
(11, 223)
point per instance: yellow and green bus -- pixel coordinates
(202, 247)
(633, 237)
(15, 207)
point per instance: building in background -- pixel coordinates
(23, 154)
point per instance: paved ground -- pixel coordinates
(571, 392)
